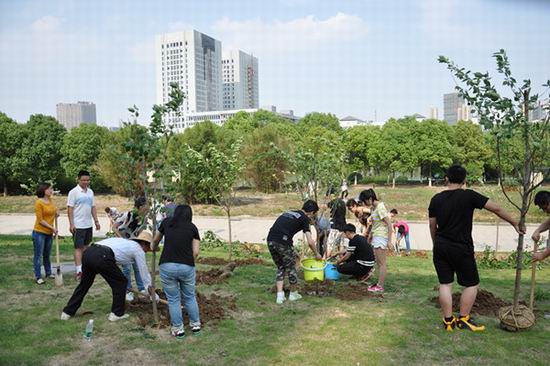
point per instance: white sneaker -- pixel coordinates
(65, 316)
(293, 296)
(280, 298)
(129, 297)
(40, 281)
(113, 318)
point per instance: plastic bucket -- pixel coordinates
(331, 273)
(314, 269)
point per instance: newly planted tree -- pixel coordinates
(508, 120)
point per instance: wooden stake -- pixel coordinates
(533, 274)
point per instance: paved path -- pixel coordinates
(254, 230)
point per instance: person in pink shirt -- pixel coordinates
(402, 231)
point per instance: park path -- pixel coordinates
(255, 229)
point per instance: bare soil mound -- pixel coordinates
(486, 303)
(212, 308)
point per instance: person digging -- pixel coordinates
(542, 200)
(358, 259)
(450, 214)
(280, 245)
(103, 258)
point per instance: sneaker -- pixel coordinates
(294, 296)
(65, 316)
(449, 325)
(178, 332)
(376, 288)
(280, 298)
(51, 275)
(196, 329)
(129, 297)
(465, 322)
(78, 276)
(40, 281)
(113, 317)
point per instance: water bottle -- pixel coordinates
(89, 330)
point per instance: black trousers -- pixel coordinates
(98, 259)
(353, 268)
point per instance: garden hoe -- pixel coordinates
(58, 274)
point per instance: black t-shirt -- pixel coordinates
(178, 242)
(287, 225)
(337, 214)
(454, 212)
(361, 251)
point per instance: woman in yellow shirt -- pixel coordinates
(43, 231)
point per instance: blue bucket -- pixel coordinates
(331, 273)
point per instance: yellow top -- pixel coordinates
(44, 211)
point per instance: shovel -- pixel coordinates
(58, 274)
(533, 273)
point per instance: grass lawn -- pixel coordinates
(402, 328)
(411, 202)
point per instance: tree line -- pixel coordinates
(275, 154)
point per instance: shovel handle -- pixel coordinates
(533, 274)
(56, 226)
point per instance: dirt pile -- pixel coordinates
(354, 291)
(420, 254)
(212, 261)
(218, 275)
(486, 303)
(212, 308)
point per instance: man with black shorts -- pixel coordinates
(280, 245)
(451, 212)
(358, 260)
(80, 210)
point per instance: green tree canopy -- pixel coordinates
(10, 141)
(316, 119)
(472, 150)
(81, 149)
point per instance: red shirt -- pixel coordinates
(402, 223)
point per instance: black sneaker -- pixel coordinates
(196, 329)
(465, 322)
(449, 325)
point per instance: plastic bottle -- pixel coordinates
(89, 330)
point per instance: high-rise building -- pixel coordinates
(240, 80)
(73, 115)
(455, 108)
(193, 60)
(434, 113)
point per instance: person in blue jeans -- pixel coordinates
(43, 231)
(177, 267)
(127, 270)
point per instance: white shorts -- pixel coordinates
(379, 242)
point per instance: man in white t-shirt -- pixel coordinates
(81, 209)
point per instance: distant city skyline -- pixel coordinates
(349, 58)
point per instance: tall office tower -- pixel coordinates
(240, 80)
(453, 104)
(193, 60)
(73, 115)
(434, 113)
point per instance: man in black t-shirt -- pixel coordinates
(279, 242)
(451, 212)
(358, 259)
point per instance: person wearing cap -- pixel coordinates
(358, 259)
(280, 245)
(103, 258)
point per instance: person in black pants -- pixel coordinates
(451, 212)
(102, 258)
(358, 259)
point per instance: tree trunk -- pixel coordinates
(355, 180)
(5, 187)
(154, 271)
(393, 181)
(228, 210)
(430, 175)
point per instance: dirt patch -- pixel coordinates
(212, 308)
(212, 261)
(250, 261)
(218, 275)
(420, 254)
(348, 291)
(486, 303)
(353, 291)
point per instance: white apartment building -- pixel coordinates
(350, 121)
(193, 60)
(72, 115)
(240, 80)
(454, 108)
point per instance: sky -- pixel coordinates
(361, 58)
